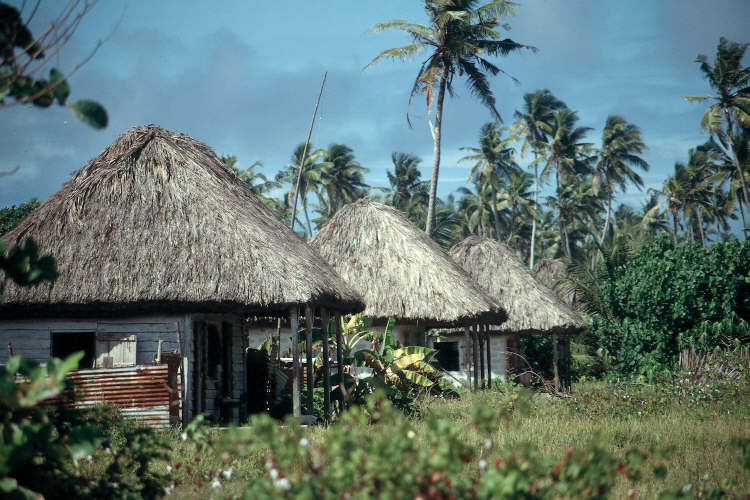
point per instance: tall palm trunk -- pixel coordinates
(742, 214)
(675, 224)
(307, 218)
(436, 130)
(495, 220)
(700, 226)
(737, 166)
(533, 221)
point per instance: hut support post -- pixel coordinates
(340, 360)
(489, 356)
(565, 363)
(308, 357)
(475, 357)
(556, 360)
(326, 365)
(294, 326)
(480, 340)
(467, 357)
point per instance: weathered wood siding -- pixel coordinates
(33, 338)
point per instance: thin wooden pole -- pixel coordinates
(489, 356)
(556, 361)
(475, 356)
(294, 327)
(480, 341)
(326, 365)
(340, 359)
(308, 355)
(304, 152)
(467, 357)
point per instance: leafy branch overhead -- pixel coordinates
(24, 58)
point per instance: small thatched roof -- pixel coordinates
(399, 270)
(531, 306)
(157, 222)
(550, 272)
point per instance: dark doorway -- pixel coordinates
(257, 381)
(66, 343)
(447, 355)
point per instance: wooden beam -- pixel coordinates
(340, 359)
(475, 356)
(556, 361)
(308, 354)
(480, 340)
(467, 357)
(326, 365)
(294, 327)
(487, 340)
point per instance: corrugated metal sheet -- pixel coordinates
(140, 392)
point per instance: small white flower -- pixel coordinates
(90, 459)
(706, 477)
(169, 489)
(274, 474)
(411, 434)
(184, 436)
(227, 473)
(216, 483)
(483, 464)
(283, 484)
(304, 442)
(687, 488)
(488, 444)
(169, 469)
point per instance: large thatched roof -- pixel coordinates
(550, 272)
(156, 221)
(398, 269)
(531, 306)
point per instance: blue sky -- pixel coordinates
(243, 76)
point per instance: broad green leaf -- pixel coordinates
(61, 89)
(90, 112)
(407, 360)
(416, 378)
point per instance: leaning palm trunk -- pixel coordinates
(737, 166)
(700, 226)
(436, 151)
(533, 220)
(674, 223)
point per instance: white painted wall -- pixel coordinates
(498, 344)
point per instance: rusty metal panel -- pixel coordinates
(141, 393)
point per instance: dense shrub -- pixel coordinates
(669, 297)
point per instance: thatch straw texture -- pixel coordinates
(551, 272)
(157, 222)
(531, 306)
(399, 271)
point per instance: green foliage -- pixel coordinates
(669, 297)
(11, 217)
(24, 266)
(58, 451)
(17, 84)
(374, 451)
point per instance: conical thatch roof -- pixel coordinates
(531, 306)
(550, 272)
(399, 271)
(157, 222)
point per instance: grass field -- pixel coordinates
(690, 431)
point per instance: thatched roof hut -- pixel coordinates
(399, 271)
(551, 272)
(157, 222)
(531, 306)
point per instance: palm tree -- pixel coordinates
(461, 34)
(621, 145)
(731, 106)
(575, 203)
(312, 175)
(343, 180)
(493, 163)
(534, 124)
(566, 155)
(406, 182)
(515, 195)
